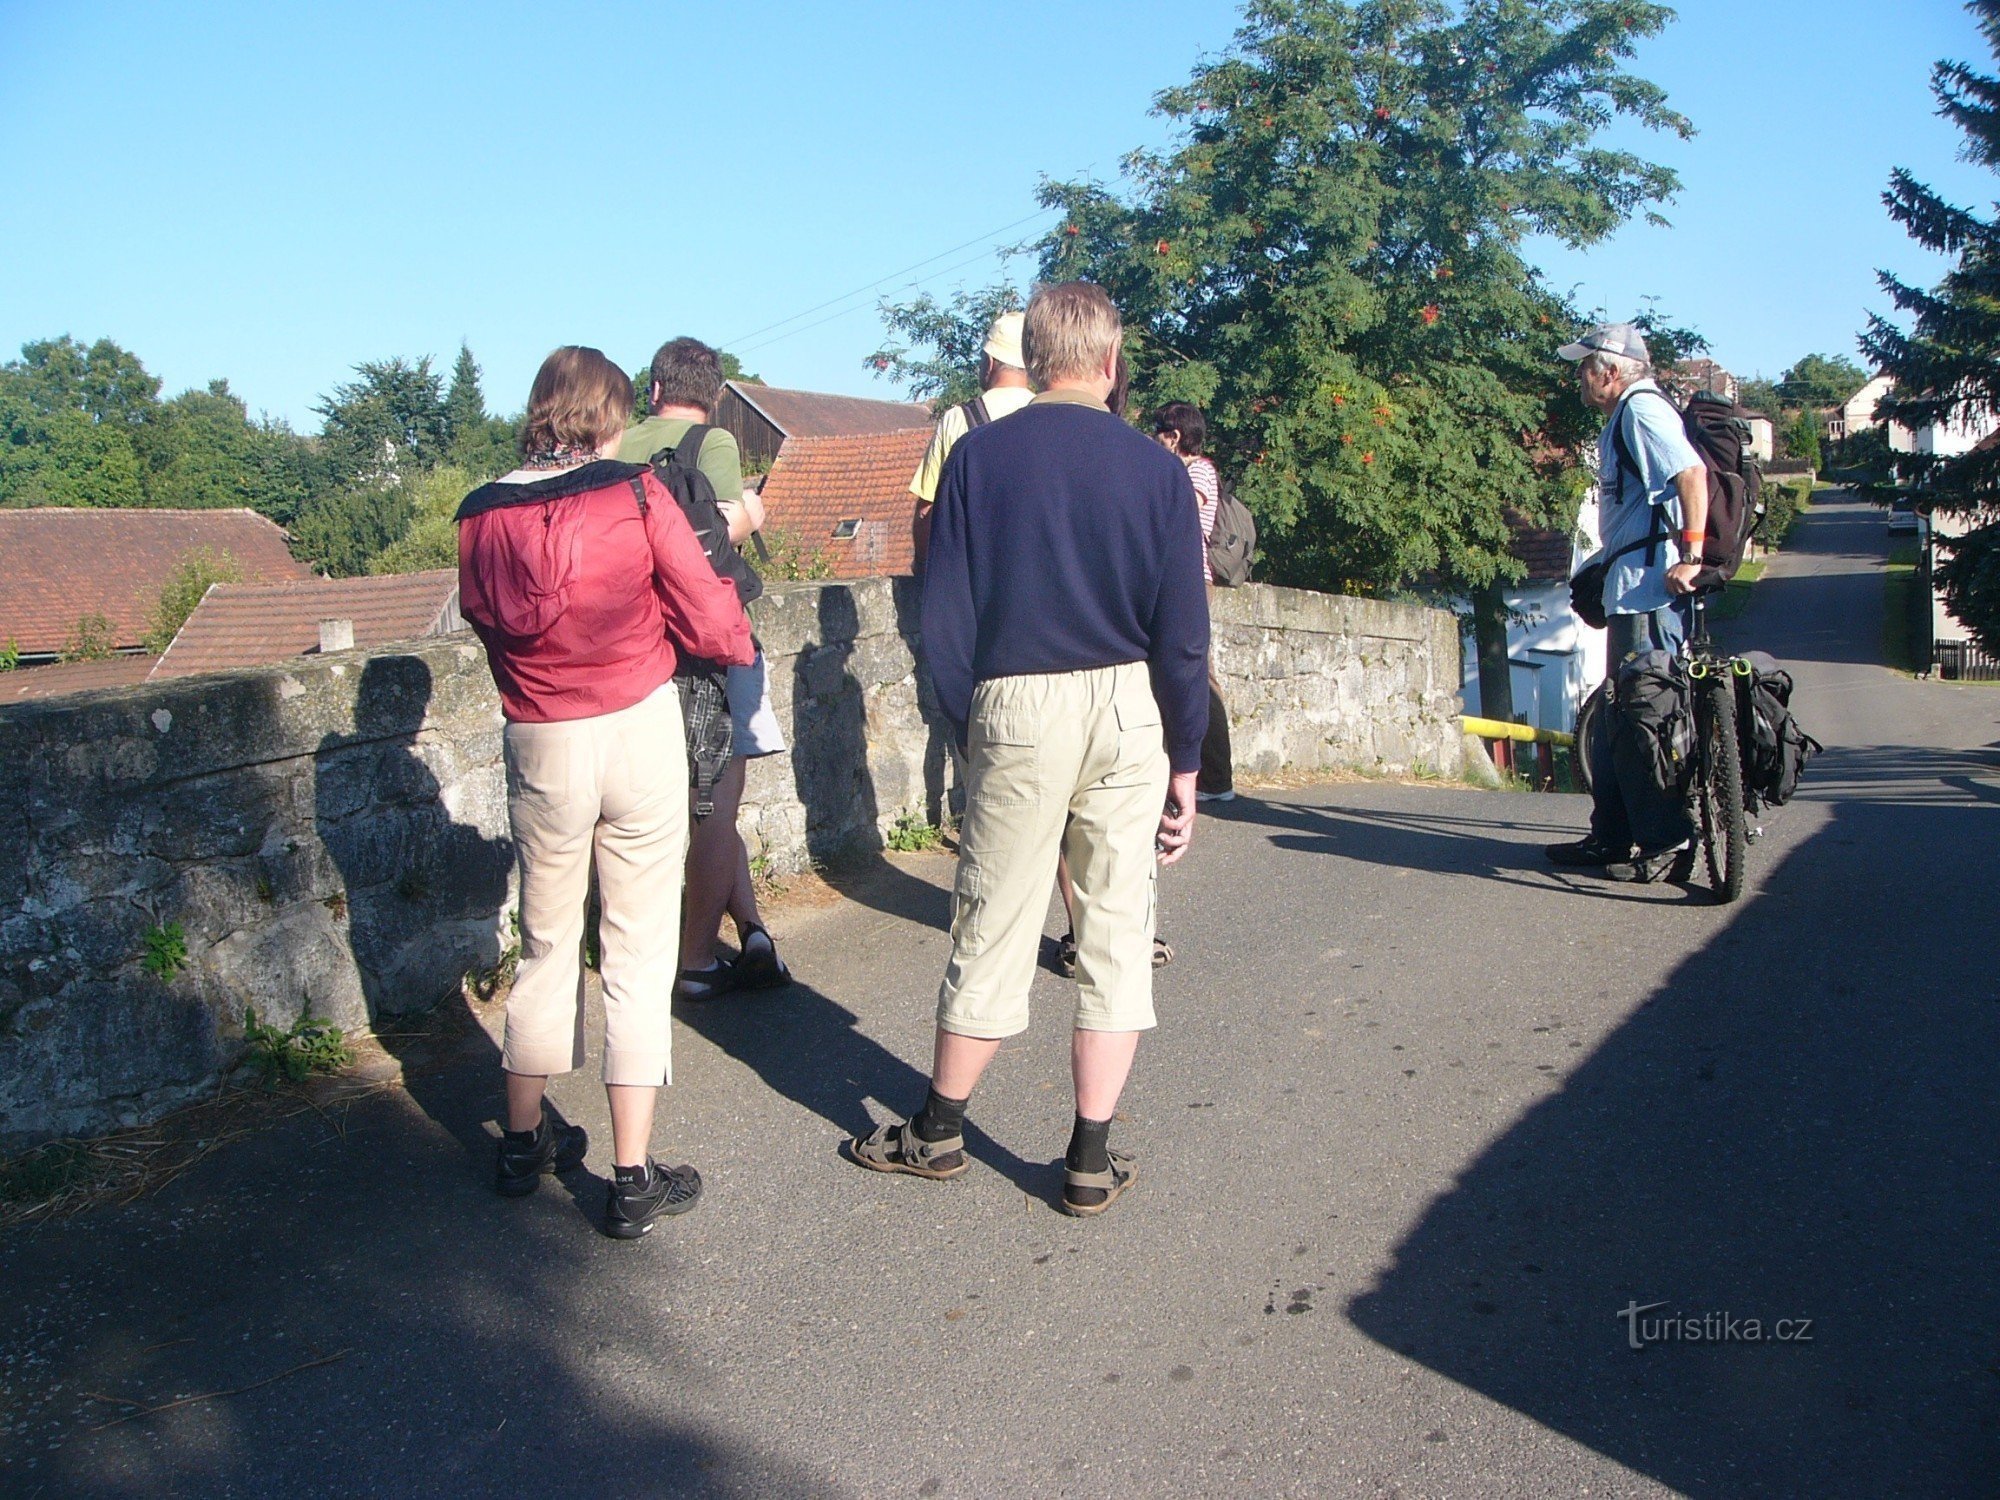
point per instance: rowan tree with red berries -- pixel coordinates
(1328, 260)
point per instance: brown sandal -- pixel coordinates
(1111, 1183)
(898, 1148)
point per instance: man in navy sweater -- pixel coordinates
(1066, 626)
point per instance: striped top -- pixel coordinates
(1208, 495)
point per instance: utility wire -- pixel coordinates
(747, 349)
(986, 238)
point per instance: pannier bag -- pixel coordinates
(1652, 733)
(1775, 749)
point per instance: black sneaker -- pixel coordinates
(526, 1157)
(1647, 866)
(631, 1207)
(1587, 853)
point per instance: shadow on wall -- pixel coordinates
(423, 892)
(1800, 1125)
(831, 770)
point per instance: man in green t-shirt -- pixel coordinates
(685, 380)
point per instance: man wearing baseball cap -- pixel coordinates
(1652, 513)
(1004, 389)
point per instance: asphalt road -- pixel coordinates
(1421, 1117)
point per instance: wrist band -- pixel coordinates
(1693, 538)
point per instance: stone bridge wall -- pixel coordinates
(328, 836)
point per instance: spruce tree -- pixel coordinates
(1946, 364)
(464, 402)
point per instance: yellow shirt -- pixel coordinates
(1001, 401)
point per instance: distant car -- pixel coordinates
(1902, 516)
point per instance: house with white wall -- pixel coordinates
(1554, 660)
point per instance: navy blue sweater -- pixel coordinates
(1064, 540)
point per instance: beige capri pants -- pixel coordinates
(612, 789)
(1069, 761)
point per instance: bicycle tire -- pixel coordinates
(1589, 723)
(1724, 840)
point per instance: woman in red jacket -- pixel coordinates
(584, 581)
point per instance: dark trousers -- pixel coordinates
(1626, 807)
(1217, 774)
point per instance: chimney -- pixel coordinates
(336, 635)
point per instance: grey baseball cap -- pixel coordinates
(1610, 338)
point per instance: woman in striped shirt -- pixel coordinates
(1180, 427)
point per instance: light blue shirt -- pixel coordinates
(1632, 506)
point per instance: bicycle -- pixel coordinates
(1717, 805)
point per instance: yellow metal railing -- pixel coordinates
(1500, 729)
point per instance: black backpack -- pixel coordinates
(694, 493)
(976, 414)
(703, 685)
(1775, 749)
(1720, 434)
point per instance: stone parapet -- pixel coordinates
(328, 837)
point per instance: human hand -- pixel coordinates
(1177, 819)
(1681, 577)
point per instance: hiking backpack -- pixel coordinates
(1233, 542)
(1775, 749)
(703, 685)
(1720, 434)
(694, 493)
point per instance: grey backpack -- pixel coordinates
(1233, 543)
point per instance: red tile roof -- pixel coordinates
(58, 564)
(25, 683)
(252, 624)
(800, 414)
(817, 483)
(1548, 554)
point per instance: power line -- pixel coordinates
(858, 307)
(979, 239)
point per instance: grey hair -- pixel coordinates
(1624, 366)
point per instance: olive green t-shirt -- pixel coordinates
(720, 458)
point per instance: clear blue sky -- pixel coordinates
(272, 192)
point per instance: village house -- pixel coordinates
(763, 418)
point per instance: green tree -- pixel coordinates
(106, 383)
(1946, 364)
(62, 456)
(1329, 261)
(431, 538)
(73, 421)
(342, 529)
(1801, 435)
(1761, 395)
(91, 639)
(389, 422)
(184, 589)
(481, 445)
(1820, 380)
(934, 349)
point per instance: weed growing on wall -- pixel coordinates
(293, 1056)
(166, 951)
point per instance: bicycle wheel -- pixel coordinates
(1589, 725)
(1720, 790)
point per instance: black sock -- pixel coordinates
(940, 1118)
(633, 1176)
(1088, 1146)
(527, 1137)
